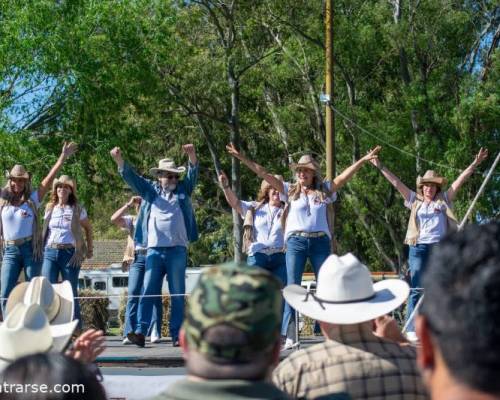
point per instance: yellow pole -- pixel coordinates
(330, 118)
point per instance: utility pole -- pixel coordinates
(330, 117)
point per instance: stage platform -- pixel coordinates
(159, 355)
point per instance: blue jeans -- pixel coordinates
(298, 249)
(15, 259)
(274, 263)
(55, 262)
(417, 259)
(171, 261)
(135, 285)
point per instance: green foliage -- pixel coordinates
(151, 75)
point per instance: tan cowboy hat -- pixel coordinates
(17, 171)
(55, 299)
(167, 165)
(431, 177)
(26, 330)
(64, 180)
(306, 161)
(264, 185)
(346, 294)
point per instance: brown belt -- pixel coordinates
(308, 234)
(18, 242)
(61, 246)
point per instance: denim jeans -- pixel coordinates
(274, 263)
(15, 259)
(135, 288)
(298, 249)
(417, 259)
(171, 261)
(55, 262)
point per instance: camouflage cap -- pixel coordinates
(246, 298)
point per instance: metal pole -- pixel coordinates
(330, 116)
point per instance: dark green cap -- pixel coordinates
(243, 297)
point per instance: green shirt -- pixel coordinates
(220, 389)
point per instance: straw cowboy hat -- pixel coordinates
(167, 165)
(17, 171)
(306, 161)
(56, 300)
(64, 180)
(430, 176)
(26, 330)
(346, 294)
(265, 186)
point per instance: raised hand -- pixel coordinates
(87, 346)
(134, 200)
(481, 156)
(69, 148)
(190, 151)
(224, 182)
(372, 154)
(116, 153)
(233, 151)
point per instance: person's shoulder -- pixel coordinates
(301, 357)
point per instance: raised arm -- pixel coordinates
(231, 197)
(346, 175)
(258, 169)
(192, 173)
(393, 179)
(117, 217)
(67, 150)
(138, 184)
(467, 172)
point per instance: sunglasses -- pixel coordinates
(172, 177)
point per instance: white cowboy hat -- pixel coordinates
(55, 299)
(26, 330)
(346, 294)
(167, 165)
(306, 161)
(17, 171)
(64, 180)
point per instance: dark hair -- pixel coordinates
(51, 370)
(462, 304)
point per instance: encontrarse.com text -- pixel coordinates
(41, 388)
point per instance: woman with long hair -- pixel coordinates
(135, 257)
(20, 237)
(67, 235)
(263, 234)
(306, 218)
(430, 219)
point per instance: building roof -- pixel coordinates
(106, 252)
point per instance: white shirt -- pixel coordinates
(166, 226)
(267, 226)
(308, 213)
(17, 222)
(431, 220)
(130, 224)
(60, 224)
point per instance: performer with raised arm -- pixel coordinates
(431, 218)
(165, 225)
(65, 223)
(263, 234)
(20, 233)
(135, 258)
(306, 218)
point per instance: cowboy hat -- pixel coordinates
(265, 186)
(17, 171)
(56, 300)
(346, 294)
(166, 165)
(26, 330)
(64, 180)
(430, 177)
(306, 161)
